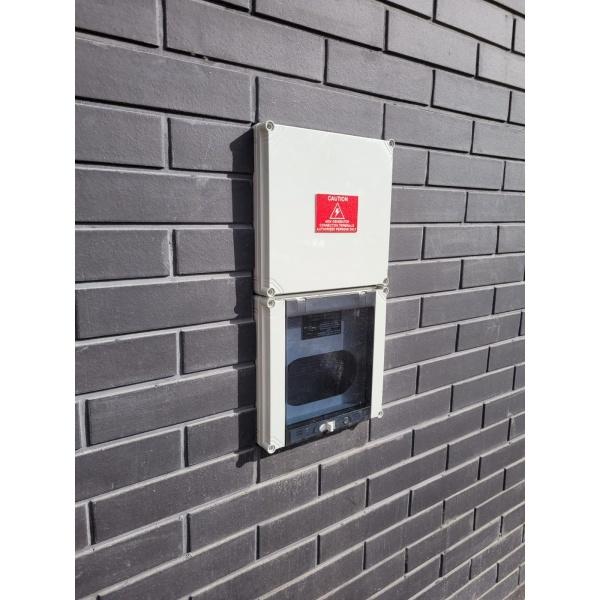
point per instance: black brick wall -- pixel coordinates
(173, 498)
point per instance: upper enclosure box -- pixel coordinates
(321, 210)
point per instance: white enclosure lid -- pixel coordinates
(322, 209)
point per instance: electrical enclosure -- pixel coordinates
(322, 221)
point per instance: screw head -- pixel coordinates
(386, 281)
(385, 290)
(271, 303)
(270, 125)
(271, 448)
(380, 414)
(391, 143)
(271, 292)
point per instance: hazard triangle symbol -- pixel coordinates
(337, 213)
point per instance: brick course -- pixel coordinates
(174, 498)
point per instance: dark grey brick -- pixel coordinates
(499, 65)
(511, 238)
(194, 571)
(127, 309)
(371, 71)
(477, 587)
(408, 348)
(407, 474)
(209, 30)
(468, 499)
(413, 582)
(135, 19)
(488, 271)
(322, 579)
(372, 458)
(124, 361)
(517, 108)
(519, 41)
(318, 108)
(310, 518)
(491, 555)
(506, 354)
(105, 566)
(470, 546)
(424, 127)
(104, 196)
(424, 40)
(256, 504)
(517, 426)
(264, 575)
(514, 176)
(108, 469)
(442, 486)
(210, 146)
(117, 74)
(82, 538)
(495, 207)
(128, 413)
(371, 581)
(77, 428)
(504, 407)
(445, 586)
(402, 315)
(427, 206)
(108, 254)
(220, 435)
(399, 383)
(488, 331)
(513, 518)
(217, 346)
(456, 306)
(499, 140)
(448, 241)
(444, 371)
(159, 499)
(438, 541)
(481, 388)
(213, 250)
(514, 474)
(106, 135)
(394, 539)
(370, 522)
(503, 587)
(498, 459)
(469, 96)
(479, 18)
(273, 465)
(405, 243)
(407, 279)
(411, 412)
(452, 427)
(353, 19)
(458, 170)
(499, 505)
(410, 166)
(519, 376)
(509, 297)
(476, 444)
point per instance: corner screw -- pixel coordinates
(271, 303)
(271, 448)
(391, 143)
(270, 125)
(271, 292)
(385, 290)
(380, 414)
(386, 281)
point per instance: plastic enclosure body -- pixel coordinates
(292, 167)
(322, 220)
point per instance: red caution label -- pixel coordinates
(336, 213)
